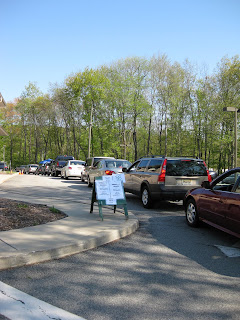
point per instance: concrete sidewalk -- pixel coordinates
(78, 232)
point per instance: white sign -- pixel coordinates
(110, 188)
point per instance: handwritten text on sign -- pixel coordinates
(110, 188)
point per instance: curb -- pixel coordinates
(6, 176)
(21, 259)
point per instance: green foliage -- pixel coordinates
(138, 107)
(22, 205)
(54, 210)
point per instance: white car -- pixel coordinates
(73, 168)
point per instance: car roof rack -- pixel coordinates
(192, 157)
(163, 156)
(153, 156)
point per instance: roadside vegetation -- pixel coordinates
(133, 107)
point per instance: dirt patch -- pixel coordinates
(19, 214)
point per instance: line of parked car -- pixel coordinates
(207, 198)
(68, 167)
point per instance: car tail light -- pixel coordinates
(109, 172)
(57, 164)
(161, 177)
(70, 168)
(209, 176)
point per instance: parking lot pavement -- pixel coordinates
(78, 232)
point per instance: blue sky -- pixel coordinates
(44, 41)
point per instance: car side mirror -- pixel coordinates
(124, 169)
(205, 184)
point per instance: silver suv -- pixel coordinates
(106, 167)
(30, 168)
(164, 178)
(90, 163)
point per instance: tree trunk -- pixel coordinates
(149, 135)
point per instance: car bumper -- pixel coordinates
(168, 195)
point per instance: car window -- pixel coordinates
(98, 165)
(231, 178)
(133, 167)
(76, 163)
(227, 183)
(126, 164)
(238, 186)
(185, 167)
(122, 164)
(154, 165)
(89, 161)
(110, 164)
(96, 160)
(142, 165)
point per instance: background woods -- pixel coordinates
(133, 107)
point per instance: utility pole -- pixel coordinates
(90, 132)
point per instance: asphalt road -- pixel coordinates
(166, 270)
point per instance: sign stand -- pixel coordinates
(105, 199)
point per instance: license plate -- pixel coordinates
(184, 182)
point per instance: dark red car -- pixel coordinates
(217, 203)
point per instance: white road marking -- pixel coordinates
(230, 252)
(15, 304)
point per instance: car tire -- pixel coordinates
(89, 182)
(146, 198)
(65, 176)
(192, 214)
(83, 180)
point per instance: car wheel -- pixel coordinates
(65, 176)
(146, 198)
(83, 180)
(89, 182)
(192, 214)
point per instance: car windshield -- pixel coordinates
(96, 160)
(117, 164)
(76, 163)
(185, 167)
